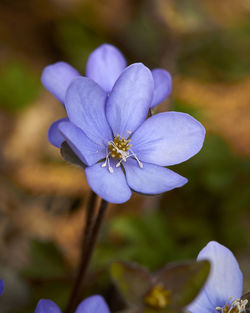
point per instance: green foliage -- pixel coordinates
(131, 238)
(18, 86)
(76, 41)
(47, 275)
(216, 55)
(46, 261)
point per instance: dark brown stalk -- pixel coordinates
(89, 241)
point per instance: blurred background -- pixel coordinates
(205, 45)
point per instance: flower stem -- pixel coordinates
(89, 219)
(92, 228)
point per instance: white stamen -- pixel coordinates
(138, 161)
(239, 304)
(110, 168)
(119, 163)
(106, 160)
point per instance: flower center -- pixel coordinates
(120, 149)
(158, 297)
(237, 306)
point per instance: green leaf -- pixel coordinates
(132, 281)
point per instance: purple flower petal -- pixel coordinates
(226, 278)
(85, 105)
(54, 135)
(57, 77)
(163, 86)
(93, 304)
(47, 306)
(1, 286)
(105, 65)
(168, 138)
(112, 187)
(151, 179)
(86, 150)
(201, 304)
(129, 101)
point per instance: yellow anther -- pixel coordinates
(158, 297)
(118, 147)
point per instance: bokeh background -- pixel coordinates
(205, 45)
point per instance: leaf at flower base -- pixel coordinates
(132, 281)
(183, 280)
(69, 156)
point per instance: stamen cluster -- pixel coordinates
(237, 306)
(158, 297)
(119, 149)
(118, 146)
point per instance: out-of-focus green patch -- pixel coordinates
(216, 56)
(131, 238)
(46, 261)
(181, 106)
(217, 194)
(76, 41)
(47, 275)
(19, 86)
(57, 291)
(144, 36)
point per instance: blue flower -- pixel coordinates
(1, 286)
(93, 304)
(223, 290)
(104, 66)
(110, 135)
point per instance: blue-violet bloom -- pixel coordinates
(1, 286)
(104, 66)
(223, 289)
(93, 304)
(110, 135)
